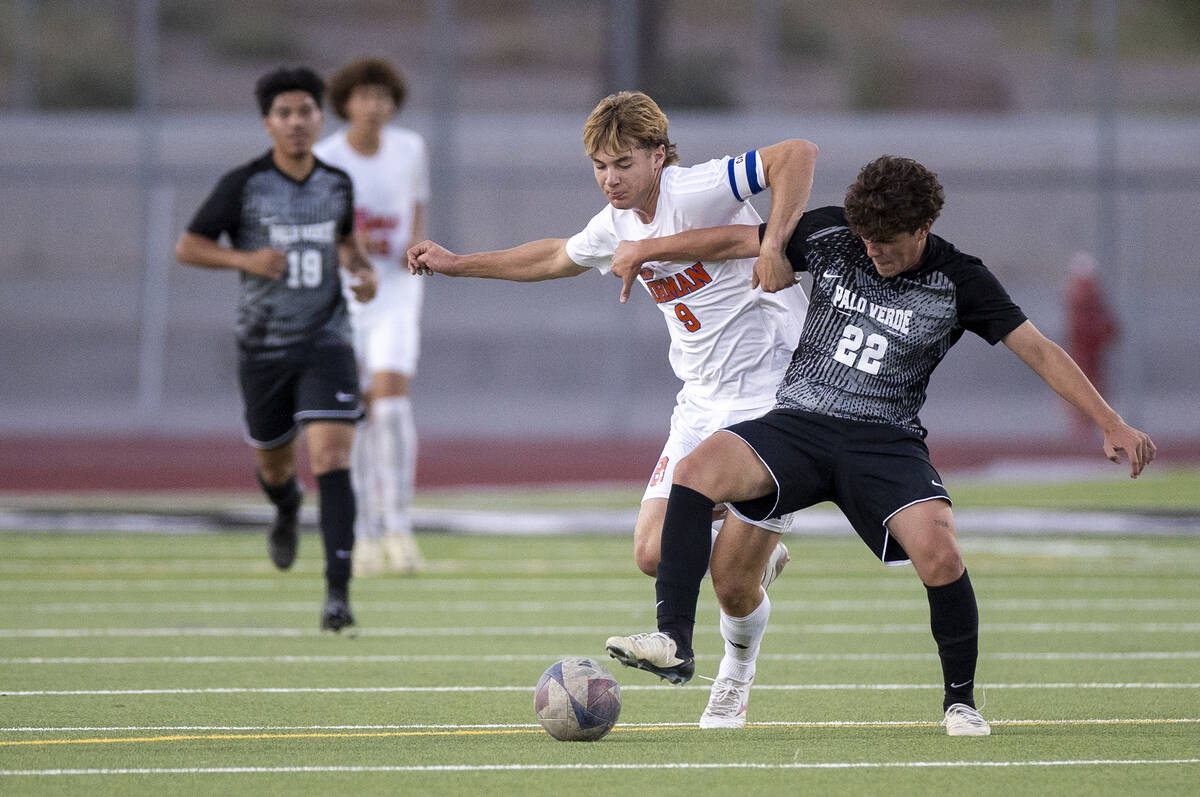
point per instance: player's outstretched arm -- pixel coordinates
(708, 244)
(788, 167)
(1060, 372)
(530, 262)
(196, 250)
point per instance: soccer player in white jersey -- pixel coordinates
(733, 324)
(390, 170)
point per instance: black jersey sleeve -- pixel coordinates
(984, 307)
(222, 211)
(346, 225)
(346, 222)
(813, 220)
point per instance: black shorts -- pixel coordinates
(282, 388)
(869, 470)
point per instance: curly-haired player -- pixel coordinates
(888, 301)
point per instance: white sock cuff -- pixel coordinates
(388, 405)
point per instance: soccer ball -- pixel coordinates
(577, 700)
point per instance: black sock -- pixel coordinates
(954, 619)
(284, 496)
(686, 543)
(337, 527)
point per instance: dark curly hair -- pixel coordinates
(285, 79)
(365, 72)
(891, 196)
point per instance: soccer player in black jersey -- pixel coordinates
(888, 300)
(289, 219)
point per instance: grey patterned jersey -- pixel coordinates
(870, 343)
(258, 206)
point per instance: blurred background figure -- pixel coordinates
(390, 171)
(1091, 326)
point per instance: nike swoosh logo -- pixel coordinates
(938, 484)
(343, 397)
(830, 275)
(660, 603)
(739, 647)
(960, 686)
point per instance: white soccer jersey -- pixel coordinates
(730, 345)
(388, 186)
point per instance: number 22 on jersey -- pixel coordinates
(860, 350)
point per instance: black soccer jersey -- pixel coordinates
(257, 205)
(870, 343)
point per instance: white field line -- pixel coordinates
(743, 765)
(522, 725)
(458, 584)
(920, 605)
(293, 690)
(501, 658)
(494, 631)
(1115, 563)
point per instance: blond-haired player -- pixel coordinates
(733, 324)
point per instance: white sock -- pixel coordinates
(362, 478)
(743, 637)
(395, 461)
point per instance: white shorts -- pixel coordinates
(691, 423)
(387, 329)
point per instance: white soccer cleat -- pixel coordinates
(779, 559)
(402, 553)
(654, 652)
(367, 559)
(962, 720)
(726, 704)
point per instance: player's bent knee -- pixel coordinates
(737, 597)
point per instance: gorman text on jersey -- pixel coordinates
(674, 286)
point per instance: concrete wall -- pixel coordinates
(82, 337)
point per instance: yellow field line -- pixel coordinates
(511, 731)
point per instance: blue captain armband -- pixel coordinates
(746, 176)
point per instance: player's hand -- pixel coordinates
(772, 272)
(627, 265)
(1138, 447)
(363, 284)
(265, 262)
(430, 258)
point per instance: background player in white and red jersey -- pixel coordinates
(390, 170)
(733, 324)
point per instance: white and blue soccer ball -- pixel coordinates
(577, 700)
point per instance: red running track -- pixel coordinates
(39, 463)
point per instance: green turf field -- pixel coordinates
(154, 664)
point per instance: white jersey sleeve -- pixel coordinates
(594, 245)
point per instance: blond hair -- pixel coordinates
(627, 120)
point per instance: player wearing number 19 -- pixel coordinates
(290, 222)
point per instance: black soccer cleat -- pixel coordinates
(654, 652)
(283, 537)
(336, 614)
